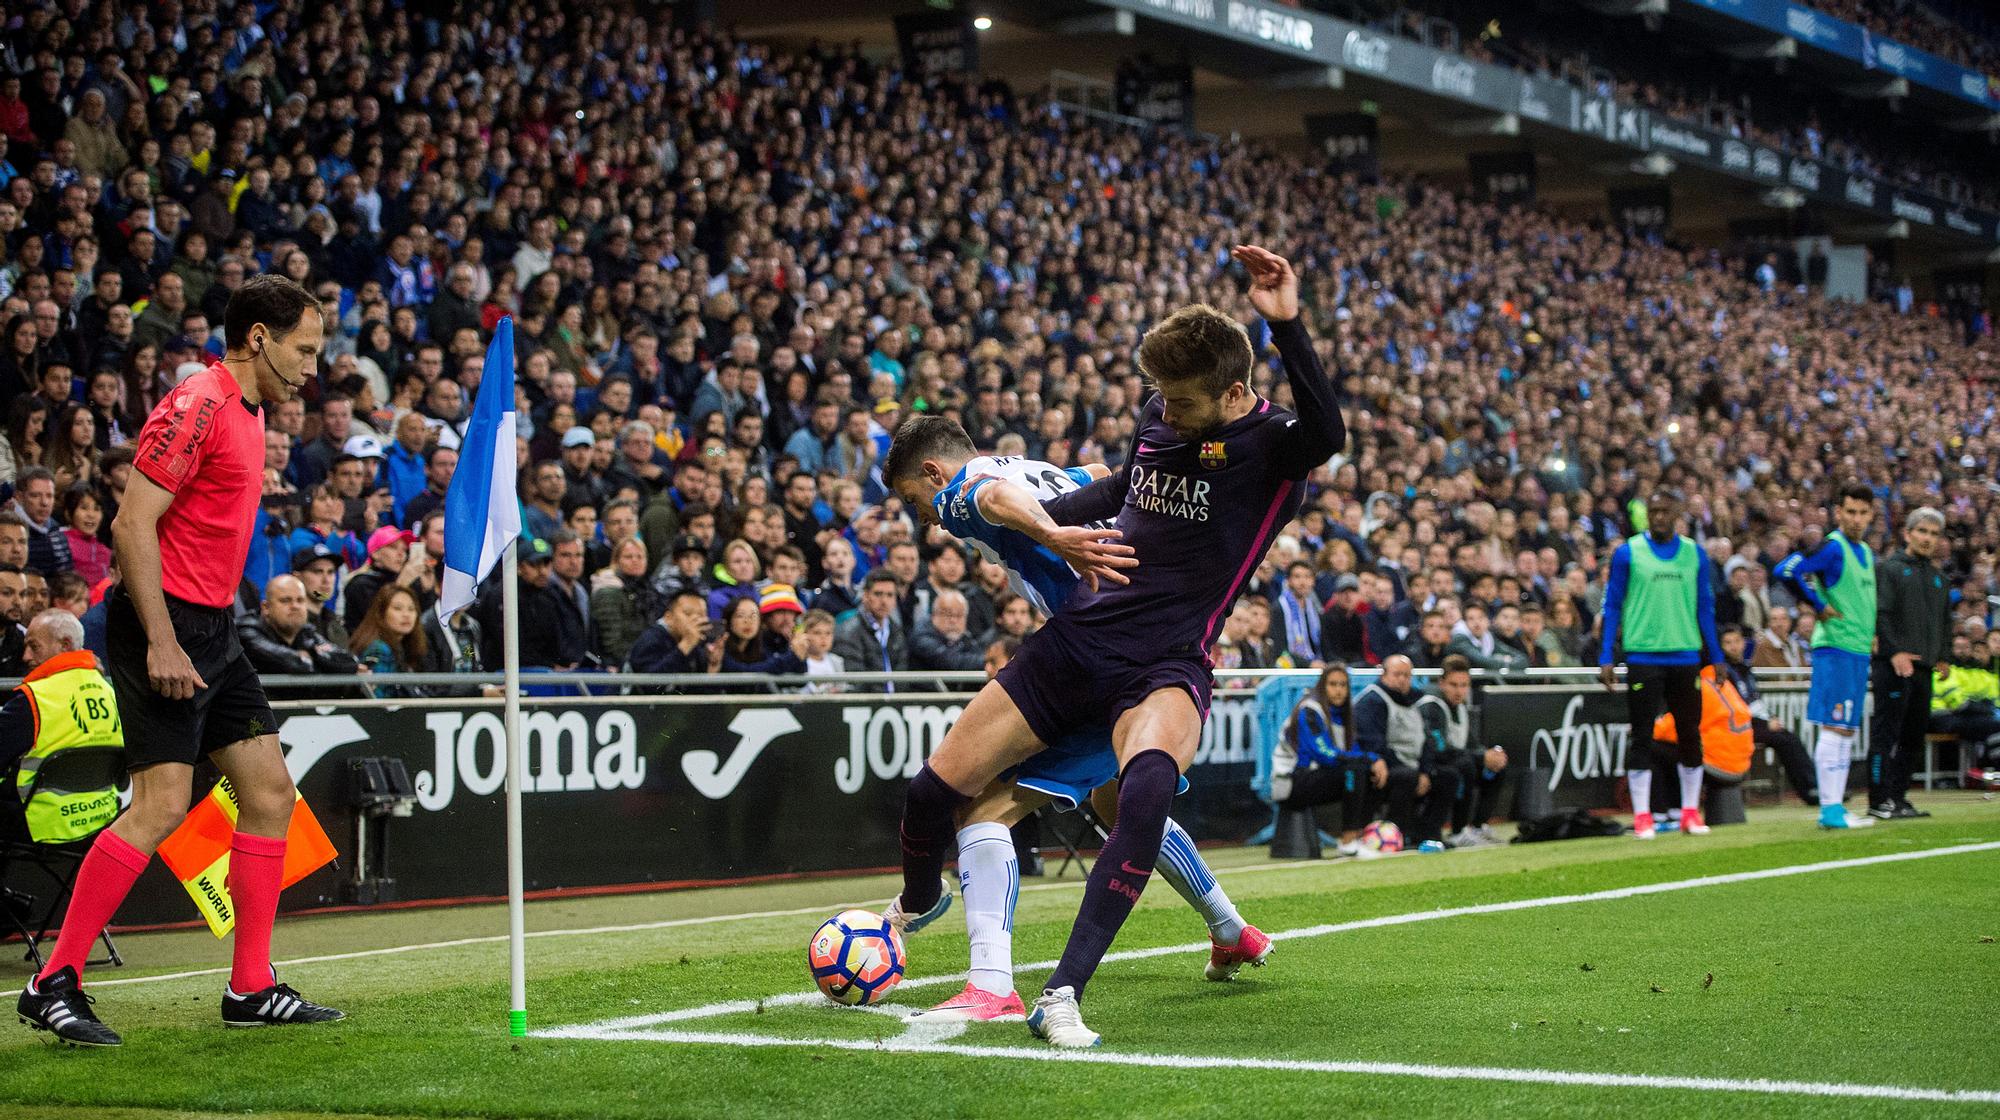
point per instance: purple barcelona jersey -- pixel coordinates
(1200, 513)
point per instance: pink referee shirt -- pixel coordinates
(205, 444)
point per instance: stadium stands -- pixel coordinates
(692, 229)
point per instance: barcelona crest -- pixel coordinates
(1213, 455)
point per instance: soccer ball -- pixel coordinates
(855, 957)
(1383, 836)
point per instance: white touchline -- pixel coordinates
(1379, 1069)
(802, 911)
(621, 1026)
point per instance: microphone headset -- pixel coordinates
(258, 341)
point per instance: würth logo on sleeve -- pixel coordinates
(174, 451)
(1214, 454)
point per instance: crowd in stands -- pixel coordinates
(732, 272)
(1747, 100)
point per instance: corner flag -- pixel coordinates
(482, 514)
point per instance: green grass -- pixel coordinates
(1871, 975)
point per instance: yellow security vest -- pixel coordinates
(73, 707)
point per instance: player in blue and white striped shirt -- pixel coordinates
(995, 504)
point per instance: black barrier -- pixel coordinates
(681, 790)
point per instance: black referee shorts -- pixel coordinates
(231, 709)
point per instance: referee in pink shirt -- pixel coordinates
(185, 689)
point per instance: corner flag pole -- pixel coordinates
(517, 913)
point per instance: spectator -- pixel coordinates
(1314, 763)
(69, 592)
(390, 638)
(943, 642)
(83, 517)
(452, 648)
(1777, 647)
(389, 561)
(622, 601)
(1433, 642)
(1913, 629)
(1451, 724)
(679, 642)
(1545, 649)
(837, 593)
(13, 638)
(736, 577)
(28, 416)
(439, 464)
(572, 598)
(1790, 751)
(1421, 789)
(1234, 647)
(282, 640)
(318, 569)
(873, 640)
(71, 455)
(816, 650)
(748, 646)
(1343, 628)
(1295, 624)
(13, 539)
(1474, 640)
(1388, 622)
(35, 505)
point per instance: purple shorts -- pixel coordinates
(1066, 677)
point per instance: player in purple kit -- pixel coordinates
(1216, 472)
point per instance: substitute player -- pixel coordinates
(1842, 642)
(185, 689)
(1660, 598)
(992, 502)
(1215, 473)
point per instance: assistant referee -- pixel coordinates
(185, 689)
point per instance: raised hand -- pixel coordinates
(1274, 287)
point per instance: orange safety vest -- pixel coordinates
(1726, 737)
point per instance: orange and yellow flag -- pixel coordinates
(198, 853)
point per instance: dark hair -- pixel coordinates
(1730, 628)
(1456, 663)
(413, 648)
(68, 585)
(25, 407)
(1857, 492)
(74, 497)
(1197, 343)
(278, 302)
(920, 438)
(684, 593)
(879, 575)
(1345, 711)
(33, 474)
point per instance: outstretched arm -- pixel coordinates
(1099, 501)
(1320, 432)
(1093, 552)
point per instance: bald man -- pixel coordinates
(1388, 725)
(58, 669)
(282, 638)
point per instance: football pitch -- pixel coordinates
(1766, 969)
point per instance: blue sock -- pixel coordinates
(1145, 793)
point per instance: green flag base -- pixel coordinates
(517, 1023)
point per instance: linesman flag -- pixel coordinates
(482, 513)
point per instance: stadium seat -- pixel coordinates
(1296, 835)
(77, 768)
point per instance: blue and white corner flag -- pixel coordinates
(482, 513)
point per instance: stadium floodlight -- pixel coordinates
(1784, 198)
(1656, 165)
(982, 23)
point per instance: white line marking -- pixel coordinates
(730, 1007)
(638, 927)
(1377, 1069)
